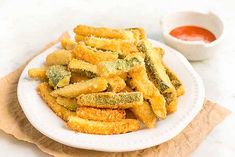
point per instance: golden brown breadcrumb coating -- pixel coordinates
(73, 90)
(44, 91)
(96, 114)
(104, 128)
(37, 73)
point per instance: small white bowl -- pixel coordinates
(193, 50)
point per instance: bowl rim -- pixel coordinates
(193, 43)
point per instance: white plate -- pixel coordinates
(44, 120)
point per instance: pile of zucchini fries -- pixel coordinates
(108, 81)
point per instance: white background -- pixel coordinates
(26, 26)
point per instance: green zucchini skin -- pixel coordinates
(111, 100)
(157, 74)
(83, 68)
(58, 76)
(86, 73)
(180, 90)
(155, 69)
(120, 66)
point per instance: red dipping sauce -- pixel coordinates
(193, 33)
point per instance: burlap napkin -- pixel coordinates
(14, 122)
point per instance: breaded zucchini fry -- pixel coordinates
(68, 103)
(156, 102)
(136, 35)
(83, 68)
(160, 51)
(111, 100)
(175, 81)
(123, 47)
(96, 114)
(120, 66)
(172, 76)
(73, 90)
(145, 114)
(103, 32)
(157, 74)
(79, 38)
(75, 77)
(141, 83)
(154, 67)
(103, 128)
(37, 73)
(58, 76)
(93, 55)
(172, 101)
(139, 33)
(44, 91)
(68, 44)
(59, 57)
(116, 84)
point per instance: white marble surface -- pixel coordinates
(26, 26)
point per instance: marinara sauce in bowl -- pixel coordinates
(196, 35)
